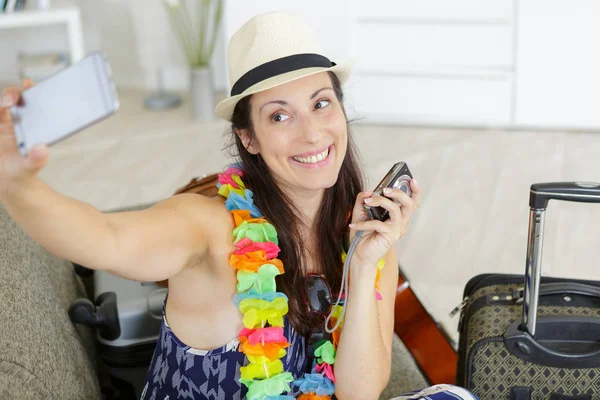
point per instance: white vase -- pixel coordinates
(203, 94)
(44, 4)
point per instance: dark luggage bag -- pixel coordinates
(525, 337)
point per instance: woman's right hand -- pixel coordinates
(16, 169)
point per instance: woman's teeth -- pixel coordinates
(313, 159)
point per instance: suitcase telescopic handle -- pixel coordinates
(540, 194)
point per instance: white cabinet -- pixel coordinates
(436, 100)
(396, 47)
(558, 64)
(443, 62)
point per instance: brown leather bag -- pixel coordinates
(206, 186)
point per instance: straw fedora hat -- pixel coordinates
(270, 50)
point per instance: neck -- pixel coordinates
(308, 204)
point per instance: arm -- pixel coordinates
(146, 245)
(152, 244)
(363, 362)
(364, 354)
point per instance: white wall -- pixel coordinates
(134, 34)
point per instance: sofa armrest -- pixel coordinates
(41, 347)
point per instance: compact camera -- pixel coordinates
(397, 178)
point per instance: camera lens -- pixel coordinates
(403, 183)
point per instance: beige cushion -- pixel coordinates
(43, 355)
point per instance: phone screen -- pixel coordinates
(65, 103)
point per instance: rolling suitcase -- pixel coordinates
(127, 315)
(525, 337)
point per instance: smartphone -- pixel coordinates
(65, 103)
(398, 177)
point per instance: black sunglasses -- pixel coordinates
(317, 295)
(317, 299)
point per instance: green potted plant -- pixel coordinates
(197, 40)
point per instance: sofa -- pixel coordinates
(43, 355)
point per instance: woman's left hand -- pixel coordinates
(378, 236)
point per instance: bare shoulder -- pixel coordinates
(198, 207)
(205, 216)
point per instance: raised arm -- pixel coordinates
(148, 245)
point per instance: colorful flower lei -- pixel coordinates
(257, 298)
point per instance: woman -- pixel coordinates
(297, 170)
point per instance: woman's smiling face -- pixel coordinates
(300, 132)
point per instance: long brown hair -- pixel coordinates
(331, 221)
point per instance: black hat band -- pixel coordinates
(278, 67)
